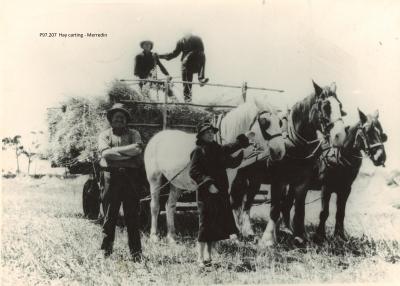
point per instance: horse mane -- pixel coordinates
(350, 137)
(300, 116)
(238, 120)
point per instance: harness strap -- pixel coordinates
(295, 137)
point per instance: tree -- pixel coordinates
(33, 149)
(14, 143)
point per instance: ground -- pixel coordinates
(47, 241)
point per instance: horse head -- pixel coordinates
(326, 114)
(370, 138)
(267, 127)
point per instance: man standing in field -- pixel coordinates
(120, 149)
(193, 61)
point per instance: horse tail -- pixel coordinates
(150, 158)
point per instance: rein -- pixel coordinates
(367, 146)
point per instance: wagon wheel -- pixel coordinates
(91, 199)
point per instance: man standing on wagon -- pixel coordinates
(146, 63)
(121, 149)
(193, 61)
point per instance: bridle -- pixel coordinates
(325, 124)
(264, 132)
(367, 147)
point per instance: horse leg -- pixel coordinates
(155, 182)
(298, 220)
(324, 214)
(269, 237)
(170, 208)
(254, 187)
(342, 197)
(237, 192)
(287, 205)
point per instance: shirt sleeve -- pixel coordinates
(103, 142)
(227, 150)
(197, 169)
(162, 68)
(136, 138)
(136, 70)
(174, 54)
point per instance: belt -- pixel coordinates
(117, 169)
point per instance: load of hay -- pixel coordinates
(74, 127)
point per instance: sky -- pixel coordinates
(268, 43)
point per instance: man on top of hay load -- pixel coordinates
(193, 61)
(120, 149)
(146, 63)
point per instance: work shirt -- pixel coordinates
(185, 46)
(108, 139)
(145, 63)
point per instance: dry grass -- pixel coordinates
(46, 241)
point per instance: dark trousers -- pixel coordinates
(193, 63)
(121, 187)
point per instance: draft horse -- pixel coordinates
(311, 121)
(167, 155)
(338, 168)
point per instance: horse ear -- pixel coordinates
(376, 114)
(257, 102)
(333, 87)
(363, 117)
(384, 137)
(317, 88)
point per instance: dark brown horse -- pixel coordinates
(338, 168)
(312, 121)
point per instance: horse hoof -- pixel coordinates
(234, 238)
(266, 243)
(154, 238)
(318, 238)
(341, 236)
(171, 240)
(267, 240)
(248, 233)
(299, 242)
(286, 230)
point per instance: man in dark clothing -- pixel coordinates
(146, 63)
(120, 150)
(193, 61)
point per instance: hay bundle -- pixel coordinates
(74, 128)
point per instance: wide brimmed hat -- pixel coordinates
(146, 42)
(118, 107)
(202, 127)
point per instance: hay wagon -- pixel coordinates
(149, 118)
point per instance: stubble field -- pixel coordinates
(47, 241)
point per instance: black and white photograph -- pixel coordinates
(193, 142)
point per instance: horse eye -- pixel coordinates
(327, 108)
(280, 123)
(264, 123)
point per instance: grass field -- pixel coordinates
(46, 241)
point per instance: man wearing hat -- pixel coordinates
(208, 164)
(146, 62)
(193, 61)
(121, 149)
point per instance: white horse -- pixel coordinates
(167, 155)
